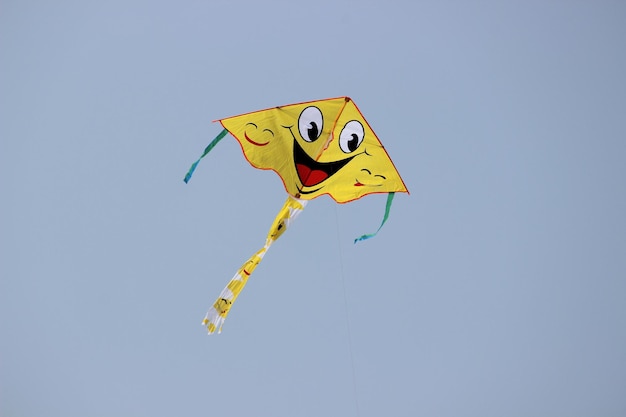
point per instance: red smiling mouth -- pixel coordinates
(312, 172)
(310, 177)
(253, 142)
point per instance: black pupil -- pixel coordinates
(354, 142)
(313, 131)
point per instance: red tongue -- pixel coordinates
(310, 177)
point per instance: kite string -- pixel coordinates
(345, 302)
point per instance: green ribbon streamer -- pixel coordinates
(385, 217)
(206, 151)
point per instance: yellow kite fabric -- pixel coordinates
(217, 314)
(318, 147)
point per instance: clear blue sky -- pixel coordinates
(497, 288)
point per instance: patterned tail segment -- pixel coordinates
(214, 319)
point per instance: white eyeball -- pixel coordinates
(311, 123)
(351, 136)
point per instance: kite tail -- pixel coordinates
(210, 146)
(216, 315)
(385, 217)
(214, 319)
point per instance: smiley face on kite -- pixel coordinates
(318, 147)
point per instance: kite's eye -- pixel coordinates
(311, 123)
(351, 136)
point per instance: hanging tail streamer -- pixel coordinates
(385, 217)
(206, 151)
(216, 315)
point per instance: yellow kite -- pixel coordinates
(317, 147)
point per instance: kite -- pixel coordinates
(316, 148)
